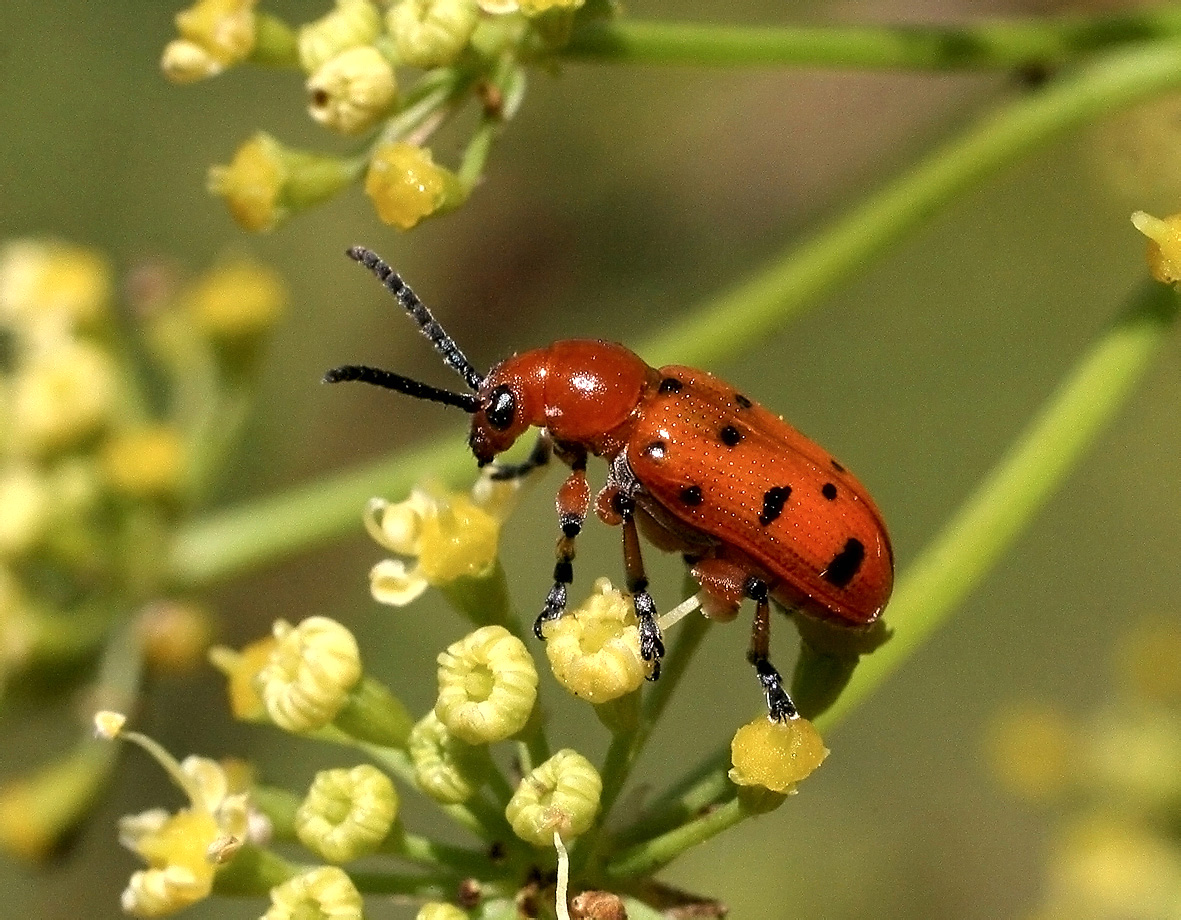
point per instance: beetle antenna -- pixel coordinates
(444, 345)
(390, 381)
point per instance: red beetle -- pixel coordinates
(758, 510)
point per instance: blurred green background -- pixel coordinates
(619, 197)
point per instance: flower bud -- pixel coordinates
(445, 768)
(352, 91)
(145, 462)
(775, 755)
(215, 34)
(487, 686)
(62, 396)
(431, 33)
(311, 670)
(325, 893)
(1164, 245)
(561, 795)
(594, 649)
(440, 910)
(350, 24)
(266, 182)
(238, 300)
(347, 813)
(405, 185)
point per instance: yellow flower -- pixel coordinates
(266, 182)
(431, 33)
(350, 24)
(1164, 245)
(487, 686)
(453, 536)
(352, 91)
(775, 755)
(405, 185)
(215, 34)
(49, 288)
(240, 299)
(347, 813)
(311, 670)
(145, 462)
(61, 396)
(594, 649)
(243, 669)
(559, 796)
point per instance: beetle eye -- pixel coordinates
(501, 408)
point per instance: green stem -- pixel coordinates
(659, 851)
(759, 308)
(988, 44)
(432, 854)
(232, 541)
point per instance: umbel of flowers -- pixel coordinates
(118, 400)
(536, 838)
(388, 74)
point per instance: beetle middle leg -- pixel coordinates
(779, 704)
(651, 642)
(573, 502)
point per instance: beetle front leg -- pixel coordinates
(779, 704)
(651, 642)
(538, 457)
(572, 503)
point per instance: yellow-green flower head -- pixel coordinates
(309, 674)
(325, 893)
(61, 396)
(147, 462)
(487, 686)
(453, 535)
(440, 910)
(350, 24)
(266, 182)
(352, 91)
(242, 669)
(560, 795)
(775, 755)
(1164, 245)
(48, 289)
(431, 33)
(528, 7)
(594, 649)
(215, 34)
(445, 768)
(182, 850)
(347, 813)
(26, 500)
(240, 299)
(406, 185)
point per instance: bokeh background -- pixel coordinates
(619, 197)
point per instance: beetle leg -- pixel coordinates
(572, 503)
(651, 643)
(779, 704)
(537, 458)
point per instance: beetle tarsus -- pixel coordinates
(651, 642)
(555, 606)
(779, 705)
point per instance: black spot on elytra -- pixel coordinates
(671, 385)
(691, 495)
(846, 563)
(836, 466)
(742, 401)
(829, 491)
(730, 436)
(773, 501)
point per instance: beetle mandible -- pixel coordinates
(758, 510)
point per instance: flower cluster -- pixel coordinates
(1115, 780)
(112, 415)
(357, 62)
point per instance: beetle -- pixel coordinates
(758, 510)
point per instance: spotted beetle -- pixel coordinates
(758, 510)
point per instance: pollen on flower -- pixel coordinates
(775, 755)
(559, 796)
(324, 892)
(311, 670)
(594, 649)
(406, 185)
(487, 686)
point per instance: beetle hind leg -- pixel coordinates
(779, 704)
(651, 641)
(572, 503)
